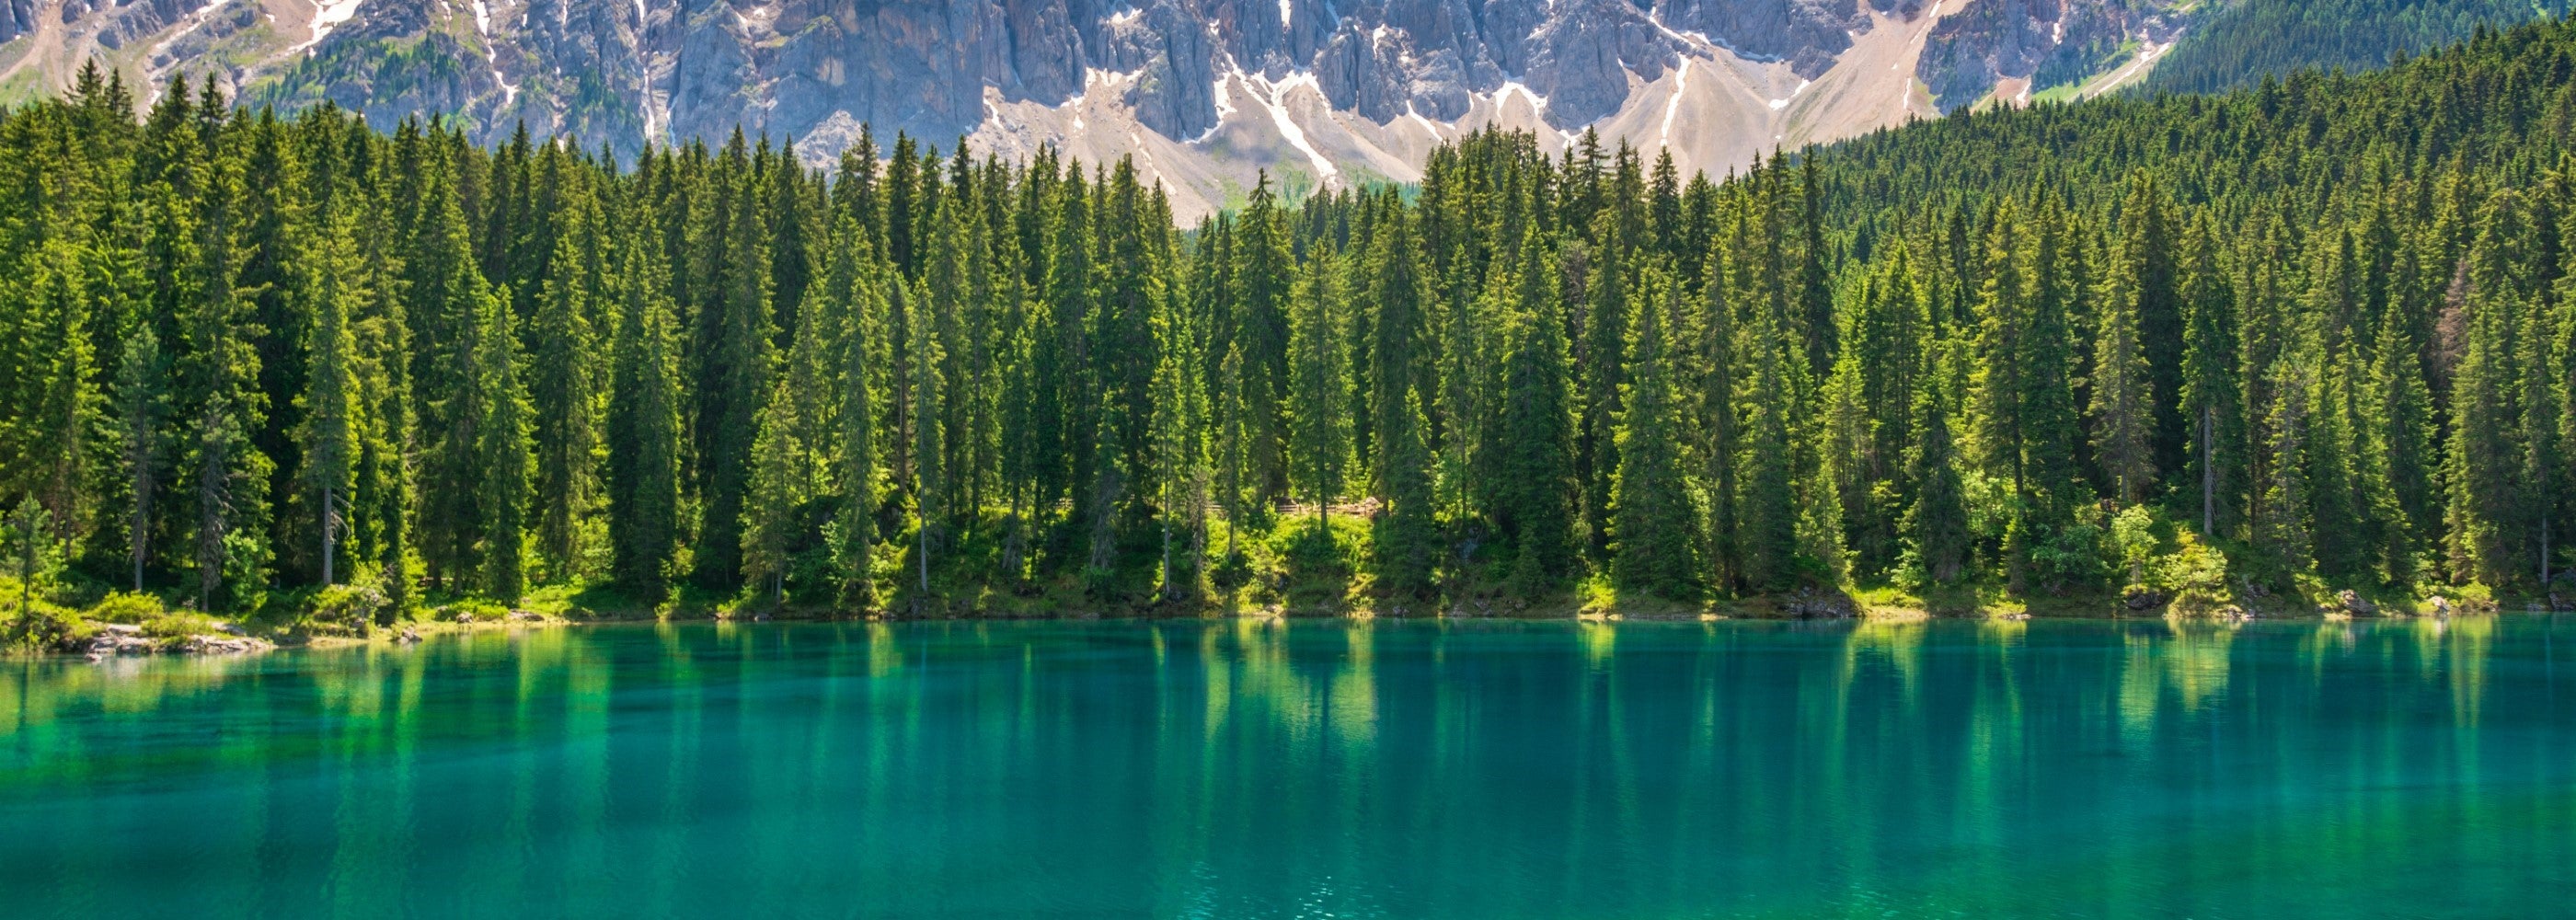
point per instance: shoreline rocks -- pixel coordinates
(118, 640)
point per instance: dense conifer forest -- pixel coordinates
(2190, 351)
(2239, 42)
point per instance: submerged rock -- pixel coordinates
(1809, 604)
(223, 645)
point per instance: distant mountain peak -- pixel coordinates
(1204, 93)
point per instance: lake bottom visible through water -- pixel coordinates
(1263, 768)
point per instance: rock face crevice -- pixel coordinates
(622, 73)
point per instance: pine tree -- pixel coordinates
(1815, 291)
(1842, 439)
(384, 478)
(331, 413)
(2146, 277)
(780, 483)
(1180, 441)
(2210, 390)
(643, 426)
(1467, 381)
(561, 361)
(142, 402)
(1062, 362)
(1133, 287)
(452, 298)
(2050, 433)
(1652, 513)
(952, 278)
(2343, 488)
(1535, 498)
(2025, 401)
(1405, 538)
(1263, 284)
(2402, 407)
(1767, 535)
(1887, 346)
(501, 454)
(929, 484)
(1319, 434)
(1233, 454)
(1600, 364)
(2124, 397)
(1398, 359)
(1937, 524)
(740, 366)
(2491, 518)
(2560, 483)
(220, 395)
(2544, 456)
(856, 471)
(2282, 519)
(46, 440)
(1721, 429)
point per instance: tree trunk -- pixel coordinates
(2208, 473)
(329, 518)
(139, 540)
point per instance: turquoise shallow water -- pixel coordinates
(1312, 769)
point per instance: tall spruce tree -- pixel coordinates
(856, 470)
(333, 419)
(1319, 434)
(220, 395)
(740, 359)
(1652, 514)
(643, 426)
(2211, 389)
(1405, 542)
(1264, 283)
(1535, 500)
(1937, 524)
(1180, 445)
(563, 371)
(142, 403)
(501, 454)
(780, 484)
(2124, 397)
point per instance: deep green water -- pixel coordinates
(1252, 769)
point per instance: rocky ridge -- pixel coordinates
(1206, 94)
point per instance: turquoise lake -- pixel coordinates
(1312, 769)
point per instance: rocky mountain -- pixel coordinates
(1205, 94)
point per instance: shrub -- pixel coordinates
(1908, 573)
(352, 605)
(2068, 560)
(125, 607)
(43, 627)
(2133, 537)
(179, 624)
(2195, 576)
(477, 611)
